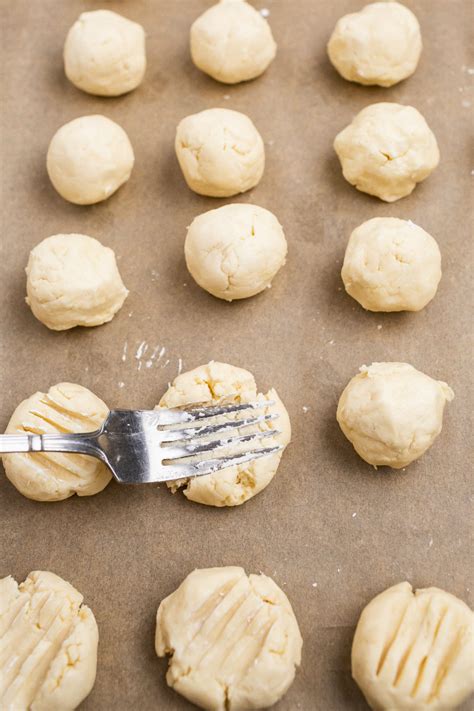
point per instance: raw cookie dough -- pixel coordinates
(56, 476)
(387, 150)
(232, 42)
(88, 159)
(381, 44)
(104, 53)
(392, 413)
(414, 650)
(235, 251)
(233, 637)
(221, 383)
(48, 644)
(391, 265)
(73, 280)
(220, 152)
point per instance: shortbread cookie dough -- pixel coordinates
(225, 384)
(48, 644)
(104, 53)
(88, 159)
(235, 251)
(73, 280)
(233, 637)
(55, 476)
(381, 44)
(387, 150)
(220, 152)
(413, 650)
(232, 42)
(392, 413)
(391, 265)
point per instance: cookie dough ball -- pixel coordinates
(225, 384)
(391, 265)
(48, 643)
(88, 159)
(381, 44)
(65, 408)
(104, 53)
(220, 152)
(413, 650)
(73, 280)
(233, 637)
(235, 251)
(392, 413)
(387, 150)
(232, 42)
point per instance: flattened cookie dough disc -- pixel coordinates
(55, 476)
(381, 44)
(48, 644)
(386, 150)
(222, 383)
(392, 413)
(220, 152)
(73, 280)
(413, 650)
(232, 42)
(233, 637)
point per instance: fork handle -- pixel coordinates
(80, 443)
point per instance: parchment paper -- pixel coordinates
(330, 530)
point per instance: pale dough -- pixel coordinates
(387, 150)
(48, 644)
(220, 152)
(232, 42)
(73, 280)
(381, 44)
(235, 251)
(222, 383)
(104, 53)
(413, 651)
(233, 637)
(88, 159)
(391, 265)
(392, 413)
(55, 476)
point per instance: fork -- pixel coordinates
(144, 446)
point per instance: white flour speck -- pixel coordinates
(227, 97)
(180, 365)
(305, 408)
(354, 514)
(130, 314)
(338, 570)
(331, 342)
(379, 327)
(470, 70)
(265, 12)
(165, 363)
(141, 350)
(466, 104)
(314, 585)
(149, 363)
(124, 352)
(121, 384)
(270, 143)
(430, 543)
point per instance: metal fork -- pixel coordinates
(142, 446)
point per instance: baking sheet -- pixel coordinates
(330, 530)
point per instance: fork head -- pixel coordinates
(168, 444)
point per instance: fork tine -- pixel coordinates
(189, 450)
(208, 466)
(195, 432)
(177, 416)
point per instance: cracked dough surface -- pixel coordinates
(48, 644)
(391, 265)
(233, 637)
(413, 650)
(392, 413)
(222, 383)
(220, 152)
(88, 159)
(381, 44)
(235, 251)
(232, 42)
(386, 150)
(55, 476)
(104, 53)
(73, 280)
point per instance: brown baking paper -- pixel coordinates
(329, 529)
